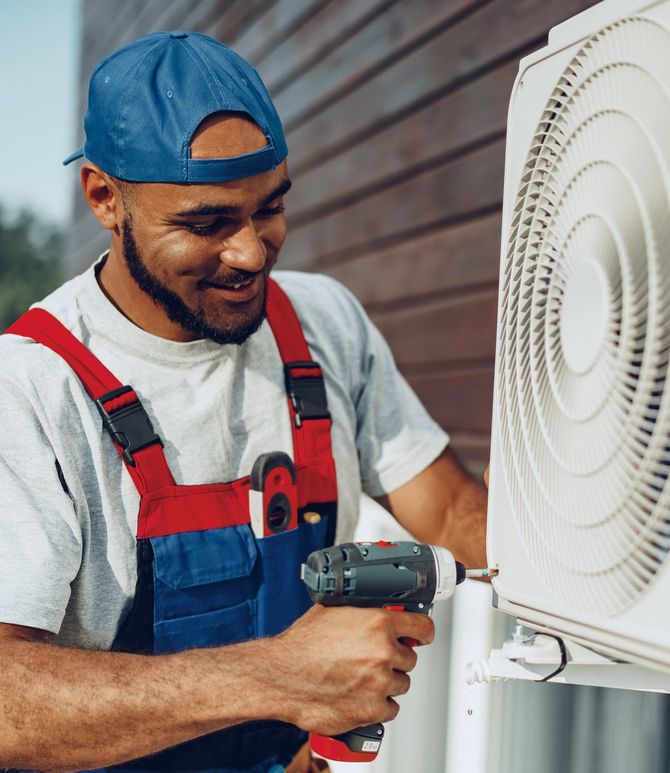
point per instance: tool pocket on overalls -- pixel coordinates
(283, 596)
(204, 591)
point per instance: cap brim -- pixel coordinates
(77, 154)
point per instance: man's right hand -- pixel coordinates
(343, 665)
(72, 709)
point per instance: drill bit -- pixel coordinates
(481, 572)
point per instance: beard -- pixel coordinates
(233, 330)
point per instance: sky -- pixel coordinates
(39, 65)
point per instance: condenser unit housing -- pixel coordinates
(579, 505)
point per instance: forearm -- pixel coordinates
(464, 524)
(443, 505)
(75, 709)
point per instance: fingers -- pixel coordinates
(410, 625)
(394, 708)
(405, 658)
(353, 681)
(400, 684)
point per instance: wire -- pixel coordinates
(564, 659)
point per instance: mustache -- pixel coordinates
(230, 279)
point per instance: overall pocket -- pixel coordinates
(203, 588)
(283, 597)
(209, 629)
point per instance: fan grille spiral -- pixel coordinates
(584, 328)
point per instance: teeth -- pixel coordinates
(237, 286)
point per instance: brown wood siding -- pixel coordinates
(395, 115)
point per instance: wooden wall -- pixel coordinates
(394, 112)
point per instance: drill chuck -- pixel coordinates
(450, 573)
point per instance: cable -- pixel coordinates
(564, 659)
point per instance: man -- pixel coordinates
(139, 611)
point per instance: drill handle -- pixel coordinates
(363, 743)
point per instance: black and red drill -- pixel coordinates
(404, 576)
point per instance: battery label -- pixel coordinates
(371, 746)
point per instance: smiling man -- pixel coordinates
(216, 294)
(144, 624)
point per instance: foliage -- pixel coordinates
(30, 263)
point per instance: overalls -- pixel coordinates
(203, 578)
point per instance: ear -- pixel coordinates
(102, 196)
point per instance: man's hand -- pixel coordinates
(73, 709)
(345, 664)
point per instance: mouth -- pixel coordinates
(238, 292)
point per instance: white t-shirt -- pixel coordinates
(68, 559)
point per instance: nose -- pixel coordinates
(244, 250)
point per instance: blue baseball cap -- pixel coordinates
(146, 100)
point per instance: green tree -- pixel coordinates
(30, 263)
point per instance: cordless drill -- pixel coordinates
(403, 576)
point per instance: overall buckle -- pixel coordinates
(306, 391)
(129, 425)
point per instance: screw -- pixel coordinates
(519, 635)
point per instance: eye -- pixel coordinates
(203, 230)
(270, 211)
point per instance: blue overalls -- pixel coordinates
(204, 578)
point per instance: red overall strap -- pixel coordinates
(162, 508)
(304, 381)
(147, 466)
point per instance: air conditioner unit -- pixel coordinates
(579, 503)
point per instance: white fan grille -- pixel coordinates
(584, 333)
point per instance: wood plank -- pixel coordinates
(465, 186)
(277, 23)
(363, 55)
(202, 15)
(471, 445)
(473, 450)
(170, 15)
(95, 17)
(461, 400)
(236, 18)
(177, 14)
(327, 31)
(437, 333)
(109, 30)
(493, 33)
(423, 138)
(445, 260)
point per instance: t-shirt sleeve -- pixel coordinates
(396, 438)
(40, 536)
